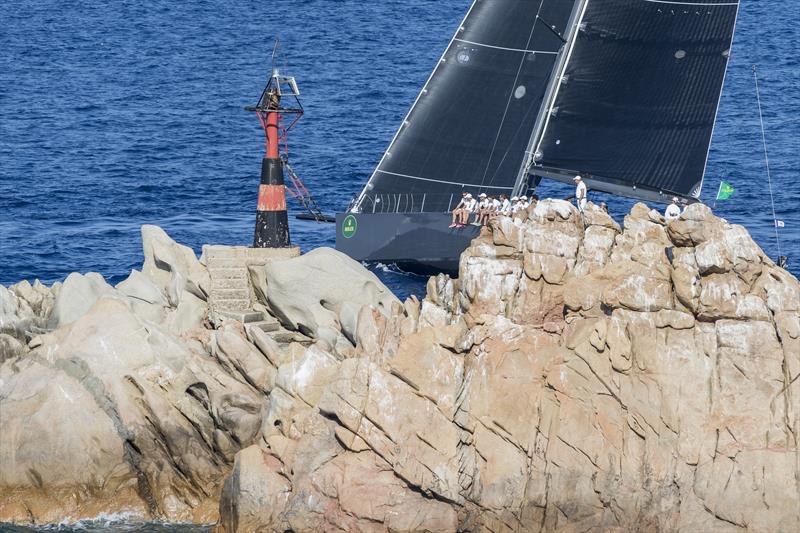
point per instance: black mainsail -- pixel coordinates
(624, 92)
(470, 126)
(637, 102)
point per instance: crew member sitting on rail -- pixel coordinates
(463, 210)
(525, 204)
(494, 208)
(488, 211)
(673, 211)
(505, 205)
(483, 209)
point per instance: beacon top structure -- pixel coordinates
(272, 224)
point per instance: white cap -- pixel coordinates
(482, 195)
(469, 195)
(523, 197)
(576, 178)
(675, 199)
(515, 198)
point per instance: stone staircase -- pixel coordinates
(232, 296)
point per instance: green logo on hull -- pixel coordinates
(349, 226)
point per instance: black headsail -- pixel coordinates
(638, 98)
(471, 124)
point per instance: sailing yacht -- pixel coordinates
(622, 92)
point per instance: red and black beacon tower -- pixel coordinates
(272, 221)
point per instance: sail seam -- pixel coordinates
(506, 48)
(444, 181)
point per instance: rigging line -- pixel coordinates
(551, 28)
(766, 160)
(481, 185)
(506, 48)
(692, 3)
(511, 93)
(508, 149)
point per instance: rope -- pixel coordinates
(766, 160)
(303, 195)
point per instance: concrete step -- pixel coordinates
(267, 326)
(224, 252)
(228, 273)
(225, 262)
(229, 284)
(230, 294)
(231, 305)
(245, 317)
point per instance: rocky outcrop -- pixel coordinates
(129, 399)
(577, 376)
(322, 292)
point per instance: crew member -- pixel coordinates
(673, 211)
(482, 210)
(494, 208)
(505, 205)
(580, 193)
(461, 205)
(471, 207)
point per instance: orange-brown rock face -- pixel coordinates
(578, 376)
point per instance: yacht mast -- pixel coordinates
(546, 109)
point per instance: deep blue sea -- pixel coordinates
(117, 114)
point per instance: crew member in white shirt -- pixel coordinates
(465, 196)
(673, 211)
(505, 206)
(494, 207)
(580, 193)
(482, 210)
(471, 207)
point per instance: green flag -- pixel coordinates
(726, 190)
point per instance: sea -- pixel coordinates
(118, 114)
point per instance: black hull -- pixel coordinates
(421, 243)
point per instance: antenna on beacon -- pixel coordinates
(279, 100)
